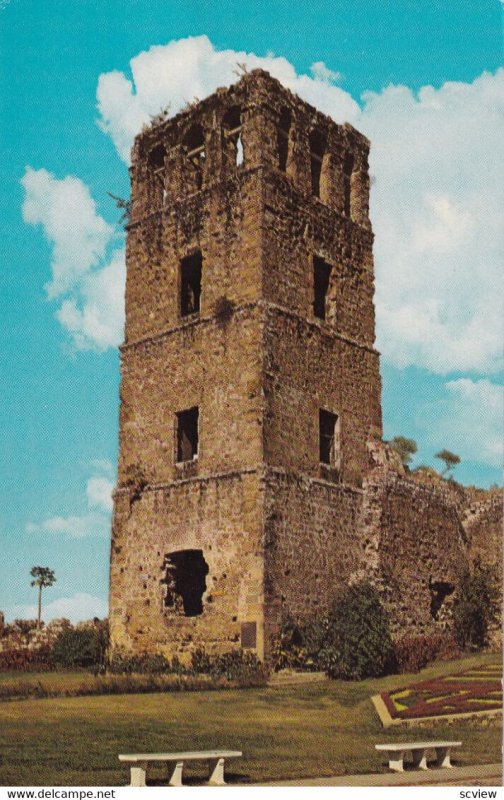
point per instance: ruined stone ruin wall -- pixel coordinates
(222, 517)
(483, 525)
(306, 369)
(222, 226)
(310, 551)
(296, 228)
(413, 549)
(158, 380)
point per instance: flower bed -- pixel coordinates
(474, 690)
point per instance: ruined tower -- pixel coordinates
(250, 382)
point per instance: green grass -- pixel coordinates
(320, 730)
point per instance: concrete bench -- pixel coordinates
(175, 761)
(418, 750)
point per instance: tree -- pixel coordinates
(450, 460)
(405, 448)
(43, 578)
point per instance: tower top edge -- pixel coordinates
(257, 87)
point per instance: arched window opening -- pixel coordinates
(348, 167)
(156, 164)
(185, 581)
(317, 151)
(194, 144)
(283, 130)
(232, 128)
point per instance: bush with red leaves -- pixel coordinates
(24, 660)
(413, 653)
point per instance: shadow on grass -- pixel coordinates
(192, 779)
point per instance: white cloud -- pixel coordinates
(186, 68)
(99, 493)
(78, 608)
(436, 204)
(96, 522)
(89, 286)
(94, 316)
(67, 212)
(75, 527)
(468, 422)
(437, 210)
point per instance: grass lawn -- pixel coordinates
(325, 729)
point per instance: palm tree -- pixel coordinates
(43, 578)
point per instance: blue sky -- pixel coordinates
(77, 81)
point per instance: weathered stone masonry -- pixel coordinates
(250, 392)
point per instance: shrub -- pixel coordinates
(200, 662)
(124, 663)
(413, 653)
(82, 647)
(358, 643)
(238, 666)
(23, 660)
(288, 648)
(298, 644)
(476, 607)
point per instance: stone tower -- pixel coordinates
(250, 382)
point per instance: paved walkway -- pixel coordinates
(477, 775)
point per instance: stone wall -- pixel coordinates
(159, 380)
(414, 550)
(482, 523)
(308, 368)
(310, 544)
(220, 516)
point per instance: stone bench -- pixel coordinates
(396, 751)
(175, 761)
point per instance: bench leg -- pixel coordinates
(138, 773)
(419, 759)
(175, 773)
(443, 757)
(216, 772)
(396, 760)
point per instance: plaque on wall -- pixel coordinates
(249, 635)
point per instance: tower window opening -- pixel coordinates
(327, 437)
(194, 144)
(348, 167)
(187, 434)
(185, 580)
(232, 128)
(190, 284)
(321, 276)
(156, 166)
(317, 151)
(283, 129)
